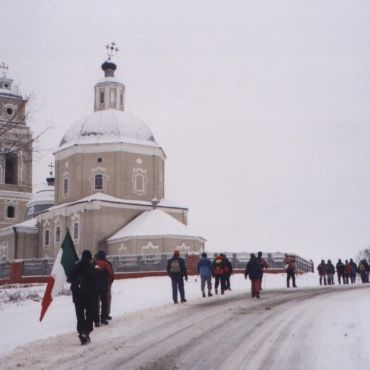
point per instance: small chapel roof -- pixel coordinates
(154, 223)
(108, 126)
(28, 225)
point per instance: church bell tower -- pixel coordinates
(15, 153)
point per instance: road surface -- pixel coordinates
(296, 329)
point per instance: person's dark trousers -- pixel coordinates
(227, 282)
(177, 284)
(85, 313)
(353, 278)
(290, 275)
(340, 277)
(220, 280)
(103, 299)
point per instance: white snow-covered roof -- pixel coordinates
(27, 226)
(44, 196)
(154, 223)
(108, 126)
(109, 198)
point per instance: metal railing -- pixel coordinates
(157, 263)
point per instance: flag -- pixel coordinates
(66, 259)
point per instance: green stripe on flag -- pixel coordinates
(69, 255)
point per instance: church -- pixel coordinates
(109, 188)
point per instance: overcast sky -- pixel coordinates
(262, 107)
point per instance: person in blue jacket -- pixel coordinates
(205, 269)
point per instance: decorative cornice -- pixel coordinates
(95, 148)
(15, 195)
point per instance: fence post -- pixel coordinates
(15, 271)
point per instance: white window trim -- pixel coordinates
(136, 172)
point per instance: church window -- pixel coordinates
(10, 212)
(140, 180)
(57, 234)
(99, 182)
(75, 231)
(11, 168)
(101, 97)
(65, 185)
(47, 237)
(100, 160)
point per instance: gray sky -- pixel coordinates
(261, 107)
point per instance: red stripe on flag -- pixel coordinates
(47, 297)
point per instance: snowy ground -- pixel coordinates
(308, 327)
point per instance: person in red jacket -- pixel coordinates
(105, 277)
(219, 273)
(263, 265)
(347, 272)
(323, 271)
(290, 268)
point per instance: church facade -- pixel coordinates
(109, 189)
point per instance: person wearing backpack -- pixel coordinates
(205, 272)
(219, 273)
(83, 286)
(176, 270)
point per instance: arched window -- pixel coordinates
(139, 180)
(140, 183)
(57, 234)
(75, 231)
(10, 212)
(98, 184)
(65, 185)
(47, 237)
(11, 168)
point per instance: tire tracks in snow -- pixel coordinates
(230, 332)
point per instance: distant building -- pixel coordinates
(109, 189)
(15, 154)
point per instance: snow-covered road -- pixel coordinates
(311, 328)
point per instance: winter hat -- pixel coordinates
(100, 255)
(86, 255)
(259, 254)
(204, 254)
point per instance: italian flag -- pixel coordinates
(64, 262)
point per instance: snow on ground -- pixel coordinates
(20, 320)
(306, 328)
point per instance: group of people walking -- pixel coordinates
(346, 272)
(220, 269)
(91, 280)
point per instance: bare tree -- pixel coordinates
(365, 253)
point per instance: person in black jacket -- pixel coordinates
(83, 286)
(340, 271)
(254, 270)
(228, 271)
(176, 270)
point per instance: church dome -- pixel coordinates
(108, 126)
